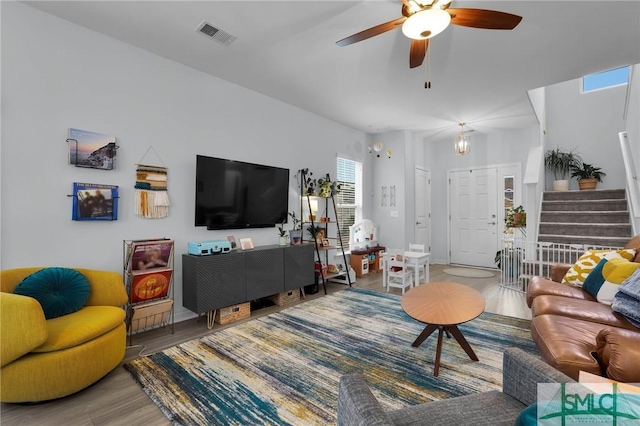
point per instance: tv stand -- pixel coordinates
(220, 280)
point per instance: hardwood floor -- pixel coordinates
(118, 400)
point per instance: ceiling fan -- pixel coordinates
(423, 19)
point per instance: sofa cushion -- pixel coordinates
(79, 327)
(60, 291)
(619, 351)
(585, 264)
(604, 280)
(579, 309)
(543, 286)
(485, 408)
(566, 343)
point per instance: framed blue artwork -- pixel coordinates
(94, 201)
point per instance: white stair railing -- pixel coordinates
(520, 260)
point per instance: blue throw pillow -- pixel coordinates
(60, 291)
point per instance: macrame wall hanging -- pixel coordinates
(152, 199)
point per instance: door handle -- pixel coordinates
(491, 223)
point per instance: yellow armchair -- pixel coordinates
(44, 359)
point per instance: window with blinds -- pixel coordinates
(349, 200)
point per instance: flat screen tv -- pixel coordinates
(234, 194)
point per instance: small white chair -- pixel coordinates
(398, 275)
(422, 273)
(385, 256)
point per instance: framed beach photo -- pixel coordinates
(91, 149)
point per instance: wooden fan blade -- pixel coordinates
(481, 18)
(373, 31)
(418, 52)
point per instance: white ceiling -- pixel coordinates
(286, 50)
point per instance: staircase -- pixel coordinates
(595, 218)
(570, 223)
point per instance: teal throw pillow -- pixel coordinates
(528, 416)
(60, 291)
(595, 279)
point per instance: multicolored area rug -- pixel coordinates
(284, 368)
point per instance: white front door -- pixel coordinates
(422, 230)
(473, 207)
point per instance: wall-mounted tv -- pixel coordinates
(234, 194)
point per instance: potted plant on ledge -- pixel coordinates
(588, 175)
(516, 218)
(560, 163)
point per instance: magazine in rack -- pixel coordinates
(148, 273)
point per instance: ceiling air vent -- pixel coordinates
(214, 33)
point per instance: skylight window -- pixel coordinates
(605, 79)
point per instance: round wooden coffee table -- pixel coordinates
(442, 306)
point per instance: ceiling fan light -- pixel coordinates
(426, 24)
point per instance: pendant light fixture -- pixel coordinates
(462, 143)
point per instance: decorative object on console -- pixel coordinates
(92, 150)
(462, 143)
(94, 201)
(232, 241)
(246, 243)
(588, 175)
(282, 235)
(585, 264)
(203, 248)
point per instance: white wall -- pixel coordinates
(500, 147)
(390, 172)
(589, 122)
(57, 75)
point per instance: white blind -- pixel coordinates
(349, 200)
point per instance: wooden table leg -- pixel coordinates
(430, 328)
(436, 367)
(463, 342)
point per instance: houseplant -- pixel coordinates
(282, 235)
(588, 175)
(295, 234)
(560, 163)
(516, 217)
(316, 233)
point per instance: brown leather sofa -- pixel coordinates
(574, 332)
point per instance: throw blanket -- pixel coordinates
(627, 300)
